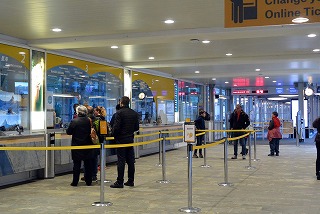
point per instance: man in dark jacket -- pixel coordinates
(126, 122)
(80, 129)
(200, 125)
(239, 120)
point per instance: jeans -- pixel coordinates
(199, 142)
(124, 155)
(242, 143)
(274, 146)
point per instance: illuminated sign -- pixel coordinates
(241, 92)
(279, 90)
(244, 13)
(260, 92)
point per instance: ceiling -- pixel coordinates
(283, 53)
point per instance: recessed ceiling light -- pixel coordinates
(276, 98)
(266, 77)
(274, 81)
(169, 21)
(197, 72)
(226, 82)
(312, 35)
(288, 95)
(316, 50)
(22, 53)
(70, 62)
(56, 29)
(300, 20)
(258, 69)
(157, 80)
(151, 57)
(229, 54)
(205, 41)
(135, 74)
(214, 78)
(114, 47)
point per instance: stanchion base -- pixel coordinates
(163, 181)
(250, 167)
(205, 166)
(225, 184)
(256, 159)
(190, 209)
(107, 181)
(102, 204)
(158, 164)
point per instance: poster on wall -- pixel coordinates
(14, 101)
(37, 89)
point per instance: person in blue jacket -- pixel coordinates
(200, 125)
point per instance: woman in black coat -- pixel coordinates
(80, 129)
(316, 124)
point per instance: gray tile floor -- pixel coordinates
(284, 184)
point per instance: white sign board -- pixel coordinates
(189, 133)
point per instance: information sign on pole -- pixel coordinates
(189, 132)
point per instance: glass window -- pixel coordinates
(71, 85)
(14, 101)
(143, 102)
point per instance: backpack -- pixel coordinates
(93, 134)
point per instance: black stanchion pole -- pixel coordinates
(102, 203)
(225, 183)
(190, 209)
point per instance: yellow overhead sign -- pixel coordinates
(245, 13)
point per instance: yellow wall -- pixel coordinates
(164, 87)
(90, 67)
(13, 52)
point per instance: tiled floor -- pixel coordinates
(284, 184)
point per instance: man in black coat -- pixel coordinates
(80, 129)
(126, 122)
(239, 120)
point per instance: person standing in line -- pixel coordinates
(316, 124)
(126, 122)
(96, 152)
(274, 135)
(75, 110)
(200, 125)
(239, 120)
(114, 115)
(80, 129)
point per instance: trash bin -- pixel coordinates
(49, 159)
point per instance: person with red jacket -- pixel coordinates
(274, 134)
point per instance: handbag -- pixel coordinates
(93, 135)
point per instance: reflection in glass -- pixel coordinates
(13, 94)
(71, 85)
(145, 106)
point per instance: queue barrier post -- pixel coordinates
(164, 179)
(160, 136)
(249, 145)
(102, 203)
(226, 182)
(255, 146)
(49, 171)
(205, 165)
(105, 180)
(190, 209)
